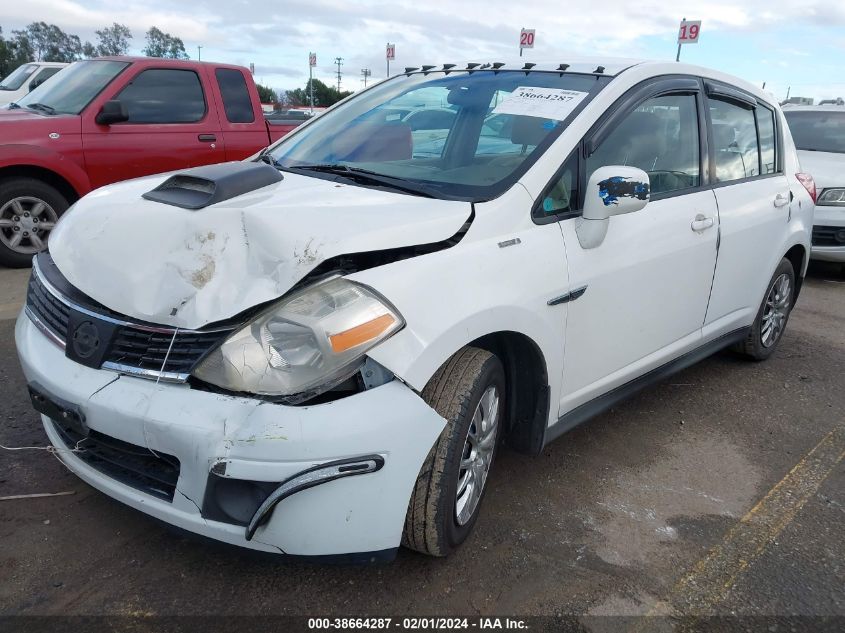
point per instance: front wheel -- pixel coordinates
(469, 392)
(772, 316)
(29, 209)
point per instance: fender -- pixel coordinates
(17, 155)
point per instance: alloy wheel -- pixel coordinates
(25, 224)
(477, 455)
(776, 310)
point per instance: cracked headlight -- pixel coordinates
(305, 344)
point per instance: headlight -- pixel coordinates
(305, 344)
(832, 198)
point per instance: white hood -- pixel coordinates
(184, 268)
(826, 168)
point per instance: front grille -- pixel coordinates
(136, 348)
(828, 236)
(135, 466)
(53, 313)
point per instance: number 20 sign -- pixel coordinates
(526, 38)
(689, 32)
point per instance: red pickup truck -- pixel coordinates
(113, 118)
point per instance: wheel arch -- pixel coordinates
(55, 180)
(798, 256)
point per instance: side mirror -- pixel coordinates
(612, 190)
(112, 112)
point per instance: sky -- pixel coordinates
(795, 46)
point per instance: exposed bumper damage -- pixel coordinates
(219, 438)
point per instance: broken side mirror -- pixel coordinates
(112, 112)
(612, 190)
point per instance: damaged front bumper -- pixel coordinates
(329, 479)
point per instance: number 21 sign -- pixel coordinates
(689, 32)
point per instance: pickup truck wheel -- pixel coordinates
(29, 209)
(772, 316)
(468, 391)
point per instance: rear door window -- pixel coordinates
(735, 146)
(236, 100)
(160, 95)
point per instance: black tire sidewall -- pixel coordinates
(492, 373)
(759, 350)
(17, 187)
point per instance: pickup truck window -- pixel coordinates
(80, 83)
(160, 95)
(236, 100)
(16, 79)
(453, 135)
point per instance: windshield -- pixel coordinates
(456, 135)
(73, 88)
(15, 80)
(820, 131)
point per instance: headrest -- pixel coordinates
(723, 135)
(529, 130)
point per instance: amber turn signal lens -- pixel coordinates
(352, 337)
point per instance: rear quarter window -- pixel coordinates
(236, 101)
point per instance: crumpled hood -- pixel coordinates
(826, 168)
(184, 268)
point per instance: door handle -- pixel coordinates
(701, 223)
(781, 200)
(207, 138)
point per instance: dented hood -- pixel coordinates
(187, 268)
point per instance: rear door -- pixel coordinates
(754, 204)
(642, 293)
(172, 125)
(241, 119)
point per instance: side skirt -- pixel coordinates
(584, 412)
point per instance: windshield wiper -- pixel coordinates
(42, 107)
(360, 175)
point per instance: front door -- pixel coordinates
(647, 285)
(172, 125)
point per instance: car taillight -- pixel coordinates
(809, 184)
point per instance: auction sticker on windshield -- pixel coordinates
(545, 103)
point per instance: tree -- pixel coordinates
(161, 44)
(47, 42)
(324, 95)
(114, 40)
(89, 50)
(266, 95)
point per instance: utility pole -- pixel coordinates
(339, 62)
(678, 56)
(366, 72)
(199, 53)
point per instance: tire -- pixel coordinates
(761, 341)
(438, 519)
(29, 209)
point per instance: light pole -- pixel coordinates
(199, 53)
(339, 62)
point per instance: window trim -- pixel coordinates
(141, 72)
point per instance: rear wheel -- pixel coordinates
(772, 316)
(29, 209)
(468, 391)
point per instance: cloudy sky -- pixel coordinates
(797, 44)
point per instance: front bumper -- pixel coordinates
(245, 439)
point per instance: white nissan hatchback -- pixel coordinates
(319, 351)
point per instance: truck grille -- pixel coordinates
(135, 466)
(828, 236)
(146, 350)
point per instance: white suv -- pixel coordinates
(25, 78)
(319, 351)
(819, 133)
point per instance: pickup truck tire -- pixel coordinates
(468, 391)
(771, 319)
(29, 209)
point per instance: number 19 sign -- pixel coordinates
(689, 32)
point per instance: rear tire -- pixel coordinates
(469, 392)
(29, 209)
(771, 319)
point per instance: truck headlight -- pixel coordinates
(832, 198)
(305, 344)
